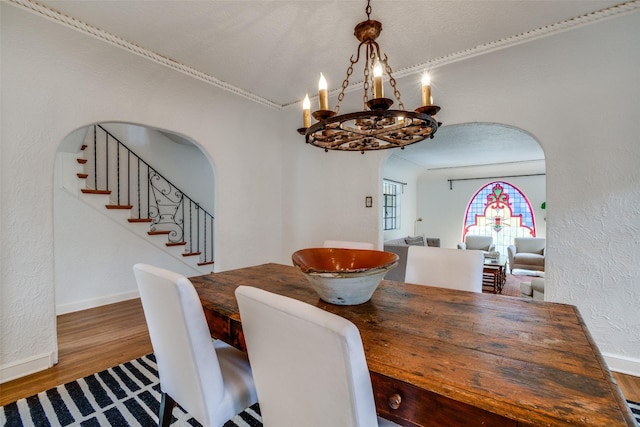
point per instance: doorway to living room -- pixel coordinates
(442, 176)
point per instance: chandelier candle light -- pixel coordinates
(376, 127)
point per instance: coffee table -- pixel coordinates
(494, 274)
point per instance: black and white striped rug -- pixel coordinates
(635, 410)
(122, 396)
(125, 395)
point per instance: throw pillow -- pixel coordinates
(415, 241)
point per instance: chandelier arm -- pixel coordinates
(345, 82)
(377, 48)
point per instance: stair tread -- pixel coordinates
(83, 175)
(92, 191)
(157, 232)
(206, 263)
(140, 220)
(176, 243)
(191, 253)
(119, 206)
(82, 161)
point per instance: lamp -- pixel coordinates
(376, 127)
(415, 226)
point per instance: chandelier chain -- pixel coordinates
(392, 82)
(365, 95)
(345, 83)
(368, 9)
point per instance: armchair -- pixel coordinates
(527, 253)
(480, 243)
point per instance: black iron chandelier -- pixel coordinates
(376, 127)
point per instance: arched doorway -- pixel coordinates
(443, 174)
(96, 247)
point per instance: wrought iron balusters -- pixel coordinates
(159, 201)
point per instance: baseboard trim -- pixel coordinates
(623, 365)
(95, 302)
(30, 365)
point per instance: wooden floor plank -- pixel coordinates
(89, 341)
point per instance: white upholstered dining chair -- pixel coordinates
(345, 244)
(212, 381)
(308, 364)
(445, 268)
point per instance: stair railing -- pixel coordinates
(134, 184)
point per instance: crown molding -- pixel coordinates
(547, 30)
(95, 32)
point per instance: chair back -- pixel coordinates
(308, 364)
(188, 366)
(530, 245)
(348, 245)
(482, 243)
(445, 268)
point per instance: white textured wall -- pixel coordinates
(94, 255)
(55, 80)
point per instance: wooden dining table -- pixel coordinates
(442, 357)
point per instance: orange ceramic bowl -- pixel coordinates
(344, 276)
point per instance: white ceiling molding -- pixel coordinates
(75, 24)
(547, 30)
(482, 49)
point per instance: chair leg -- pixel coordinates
(166, 408)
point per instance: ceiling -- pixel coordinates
(274, 50)
(473, 144)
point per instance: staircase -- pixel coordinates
(117, 179)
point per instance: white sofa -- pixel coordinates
(400, 247)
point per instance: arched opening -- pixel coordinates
(150, 187)
(443, 174)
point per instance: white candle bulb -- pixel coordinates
(306, 112)
(323, 95)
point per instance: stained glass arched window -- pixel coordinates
(500, 210)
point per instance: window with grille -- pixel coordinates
(391, 206)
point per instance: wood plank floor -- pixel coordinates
(92, 340)
(89, 341)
